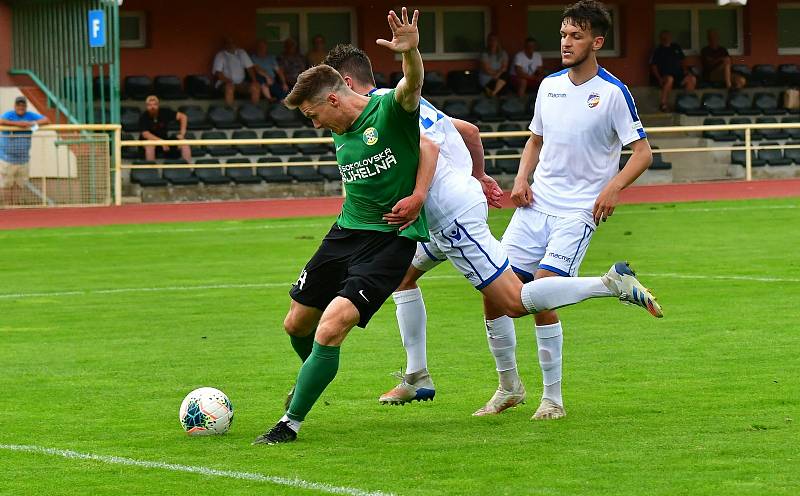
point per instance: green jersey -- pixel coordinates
(378, 159)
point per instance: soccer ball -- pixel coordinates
(206, 411)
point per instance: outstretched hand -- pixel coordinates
(405, 35)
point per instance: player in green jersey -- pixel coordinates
(368, 250)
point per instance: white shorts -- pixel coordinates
(535, 240)
(469, 245)
(13, 174)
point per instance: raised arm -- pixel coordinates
(405, 40)
(522, 195)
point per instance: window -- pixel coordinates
(132, 29)
(544, 24)
(689, 25)
(788, 34)
(336, 25)
(452, 33)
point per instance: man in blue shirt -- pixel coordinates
(15, 147)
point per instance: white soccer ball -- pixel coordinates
(206, 411)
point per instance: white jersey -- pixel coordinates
(453, 189)
(584, 128)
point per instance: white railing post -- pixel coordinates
(748, 159)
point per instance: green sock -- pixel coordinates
(316, 373)
(302, 344)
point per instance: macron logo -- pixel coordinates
(556, 95)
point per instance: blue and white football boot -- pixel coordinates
(621, 280)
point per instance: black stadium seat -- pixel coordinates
(434, 84)
(303, 173)
(169, 88)
(147, 177)
(764, 75)
(138, 87)
(198, 119)
(740, 120)
(742, 69)
(218, 150)
(182, 176)
(717, 135)
(715, 104)
(197, 150)
(771, 134)
(463, 82)
(487, 110)
(489, 143)
(212, 175)
(223, 117)
(789, 74)
(690, 104)
(507, 165)
(329, 172)
(658, 161)
(793, 153)
(457, 109)
(199, 86)
(131, 152)
(395, 78)
(101, 88)
(241, 175)
(285, 149)
(272, 174)
(284, 117)
(518, 142)
(794, 133)
(253, 116)
(773, 157)
(742, 104)
(767, 104)
(129, 118)
(310, 148)
(738, 157)
(380, 80)
(515, 109)
(247, 149)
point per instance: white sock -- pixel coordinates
(293, 424)
(412, 319)
(550, 340)
(549, 293)
(502, 340)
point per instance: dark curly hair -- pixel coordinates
(351, 61)
(588, 14)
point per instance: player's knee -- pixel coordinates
(294, 326)
(548, 317)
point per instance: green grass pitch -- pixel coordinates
(108, 331)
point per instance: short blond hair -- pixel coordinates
(151, 98)
(314, 85)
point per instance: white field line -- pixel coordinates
(250, 227)
(208, 472)
(267, 285)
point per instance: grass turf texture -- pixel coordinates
(704, 401)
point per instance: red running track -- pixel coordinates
(303, 207)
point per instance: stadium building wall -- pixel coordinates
(184, 35)
(5, 43)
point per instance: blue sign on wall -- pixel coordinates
(97, 28)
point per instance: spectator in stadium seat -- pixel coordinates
(231, 67)
(527, 69)
(154, 124)
(319, 51)
(668, 68)
(15, 148)
(717, 64)
(292, 62)
(493, 74)
(269, 74)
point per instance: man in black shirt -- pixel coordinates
(668, 68)
(717, 64)
(154, 125)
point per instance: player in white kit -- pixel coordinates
(456, 208)
(582, 118)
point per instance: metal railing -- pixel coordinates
(51, 46)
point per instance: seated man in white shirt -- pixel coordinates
(231, 65)
(526, 70)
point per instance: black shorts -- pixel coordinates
(365, 267)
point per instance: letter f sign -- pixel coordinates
(97, 28)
